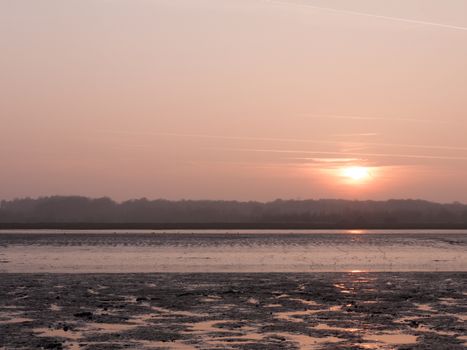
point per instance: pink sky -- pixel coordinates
(238, 99)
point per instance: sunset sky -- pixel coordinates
(234, 99)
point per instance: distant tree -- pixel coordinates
(314, 213)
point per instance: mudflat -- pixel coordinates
(356, 310)
(233, 290)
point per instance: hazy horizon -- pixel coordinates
(150, 199)
(243, 100)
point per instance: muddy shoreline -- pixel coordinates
(355, 310)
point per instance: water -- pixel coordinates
(76, 251)
(240, 231)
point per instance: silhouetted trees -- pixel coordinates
(279, 213)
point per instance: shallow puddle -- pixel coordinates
(425, 307)
(13, 318)
(168, 312)
(253, 301)
(16, 320)
(273, 305)
(55, 307)
(60, 333)
(326, 327)
(242, 338)
(211, 298)
(291, 315)
(343, 289)
(205, 326)
(306, 302)
(72, 346)
(335, 308)
(173, 345)
(448, 301)
(464, 339)
(461, 317)
(109, 327)
(305, 341)
(390, 339)
(417, 323)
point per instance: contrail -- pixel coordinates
(357, 117)
(356, 13)
(329, 160)
(354, 154)
(248, 138)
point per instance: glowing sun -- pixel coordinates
(356, 173)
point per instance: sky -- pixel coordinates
(234, 99)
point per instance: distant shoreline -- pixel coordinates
(82, 213)
(223, 226)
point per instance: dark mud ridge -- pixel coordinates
(233, 311)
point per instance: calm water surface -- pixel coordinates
(232, 250)
(242, 231)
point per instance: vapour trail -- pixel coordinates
(391, 119)
(246, 138)
(352, 154)
(356, 13)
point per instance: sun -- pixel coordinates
(356, 173)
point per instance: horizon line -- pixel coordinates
(225, 200)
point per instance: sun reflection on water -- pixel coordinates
(356, 232)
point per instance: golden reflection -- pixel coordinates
(356, 232)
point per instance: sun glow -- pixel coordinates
(356, 173)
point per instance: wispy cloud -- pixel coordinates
(365, 14)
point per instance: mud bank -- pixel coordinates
(355, 310)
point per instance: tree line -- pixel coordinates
(58, 211)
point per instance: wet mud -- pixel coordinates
(356, 310)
